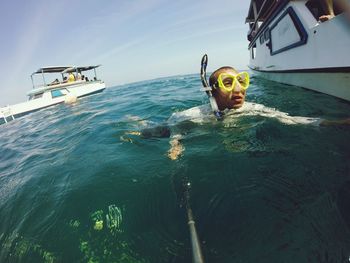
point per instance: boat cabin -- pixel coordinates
(261, 11)
(60, 78)
(301, 43)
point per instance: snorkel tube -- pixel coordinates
(214, 106)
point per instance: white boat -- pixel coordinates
(74, 84)
(289, 45)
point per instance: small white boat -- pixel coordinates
(74, 84)
(289, 45)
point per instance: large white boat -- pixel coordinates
(289, 44)
(74, 83)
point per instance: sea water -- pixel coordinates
(75, 188)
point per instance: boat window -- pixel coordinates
(287, 32)
(317, 9)
(59, 92)
(36, 96)
(267, 34)
(253, 51)
(262, 39)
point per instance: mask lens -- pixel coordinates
(243, 79)
(226, 81)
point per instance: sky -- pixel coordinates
(133, 40)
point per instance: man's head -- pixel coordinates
(225, 97)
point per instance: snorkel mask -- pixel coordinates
(228, 82)
(214, 106)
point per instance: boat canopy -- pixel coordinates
(260, 9)
(64, 69)
(79, 69)
(61, 70)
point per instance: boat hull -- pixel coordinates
(334, 84)
(292, 47)
(21, 109)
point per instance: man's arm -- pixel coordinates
(335, 123)
(176, 148)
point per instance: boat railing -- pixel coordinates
(61, 85)
(5, 113)
(260, 15)
(64, 84)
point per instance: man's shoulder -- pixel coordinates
(248, 106)
(193, 113)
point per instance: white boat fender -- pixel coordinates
(70, 98)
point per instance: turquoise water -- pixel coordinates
(72, 191)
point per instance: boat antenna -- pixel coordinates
(214, 106)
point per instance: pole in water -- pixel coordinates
(196, 248)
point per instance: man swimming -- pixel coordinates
(226, 91)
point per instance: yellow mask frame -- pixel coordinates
(228, 81)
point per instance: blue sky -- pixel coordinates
(133, 39)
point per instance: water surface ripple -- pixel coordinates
(71, 190)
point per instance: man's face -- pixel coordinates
(230, 99)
